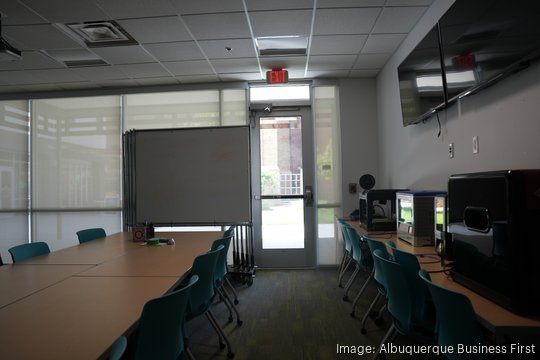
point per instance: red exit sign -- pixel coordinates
(465, 62)
(277, 76)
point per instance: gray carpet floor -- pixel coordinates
(290, 314)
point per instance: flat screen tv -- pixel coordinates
(484, 40)
(421, 80)
(478, 43)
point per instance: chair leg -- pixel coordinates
(189, 354)
(348, 263)
(389, 333)
(368, 280)
(232, 289)
(349, 283)
(218, 328)
(342, 263)
(230, 305)
(222, 298)
(364, 319)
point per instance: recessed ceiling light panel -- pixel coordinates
(282, 45)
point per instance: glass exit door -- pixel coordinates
(283, 186)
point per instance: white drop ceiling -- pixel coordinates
(180, 42)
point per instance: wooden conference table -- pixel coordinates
(502, 323)
(75, 302)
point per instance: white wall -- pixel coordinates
(358, 118)
(505, 117)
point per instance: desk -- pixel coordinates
(80, 316)
(498, 320)
(17, 282)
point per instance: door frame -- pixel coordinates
(285, 258)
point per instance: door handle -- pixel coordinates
(308, 195)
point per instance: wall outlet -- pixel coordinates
(451, 150)
(475, 144)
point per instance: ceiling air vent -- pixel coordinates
(75, 57)
(282, 45)
(100, 33)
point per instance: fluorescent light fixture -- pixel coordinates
(428, 82)
(282, 45)
(453, 79)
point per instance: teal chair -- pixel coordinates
(423, 303)
(161, 326)
(202, 294)
(456, 320)
(220, 276)
(90, 234)
(400, 303)
(363, 262)
(379, 277)
(347, 259)
(27, 251)
(118, 348)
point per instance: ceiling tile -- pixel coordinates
(207, 6)
(217, 49)
(19, 78)
(235, 65)
(328, 73)
(36, 37)
(175, 51)
(254, 76)
(4, 89)
(97, 73)
(194, 67)
(16, 14)
(337, 44)
(125, 9)
(383, 43)
(331, 62)
(31, 60)
(349, 3)
(65, 11)
(254, 5)
(218, 26)
(364, 73)
(190, 79)
(57, 75)
(143, 70)
(155, 30)
(398, 19)
(408, 2)
(132, 54)
(154, 81)
(117, 83)
(40, 87)
(77, 85)
(371, 61)
(345, 21)
(280, 23)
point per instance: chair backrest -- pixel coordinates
(400, 302)
(118, 348)
(203, 292)
(221, 264)
(229, 231)
(90, 234)
(421, 297)
(26, 251)
(456, 320)
(345, 234)
(361, 257)
(378, 273)
(161, 325)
